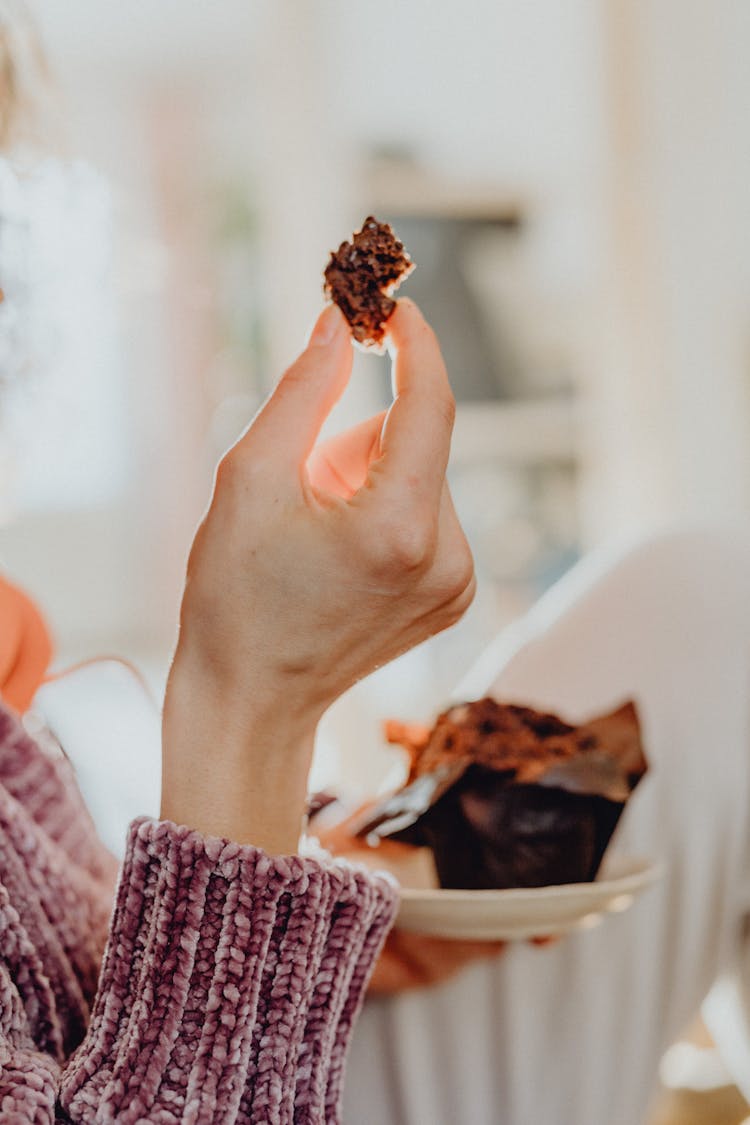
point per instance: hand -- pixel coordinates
(416, 961)
(409, 960)
(311, 568)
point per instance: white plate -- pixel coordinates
(513, 915)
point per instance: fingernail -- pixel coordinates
(326, 327)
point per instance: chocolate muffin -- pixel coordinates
(361, 276)
(506, 796)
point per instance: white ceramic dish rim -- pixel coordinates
(640, 873)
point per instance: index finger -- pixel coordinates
(417, 435)
(286, 427)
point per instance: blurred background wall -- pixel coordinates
(574, 182)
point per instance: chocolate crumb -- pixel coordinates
(361, 277)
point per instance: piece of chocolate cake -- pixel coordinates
(506, 796)
(362, 275)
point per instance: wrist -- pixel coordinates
(235, 759)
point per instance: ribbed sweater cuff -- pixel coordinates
(229, 986)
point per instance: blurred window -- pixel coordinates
(64, 420)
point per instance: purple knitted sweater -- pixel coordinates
(229, 982)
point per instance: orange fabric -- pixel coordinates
(25, 647)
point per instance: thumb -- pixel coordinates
(287, 426)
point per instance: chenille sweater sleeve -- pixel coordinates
(229, 986)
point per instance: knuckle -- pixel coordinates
(405, 547)
(228, 470)
(456, 578)
(452, 611)
(466, 575)
(235, 471)
(464, 600)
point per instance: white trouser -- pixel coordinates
(573, 1035)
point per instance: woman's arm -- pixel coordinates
(310, 570)
(235, 969)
